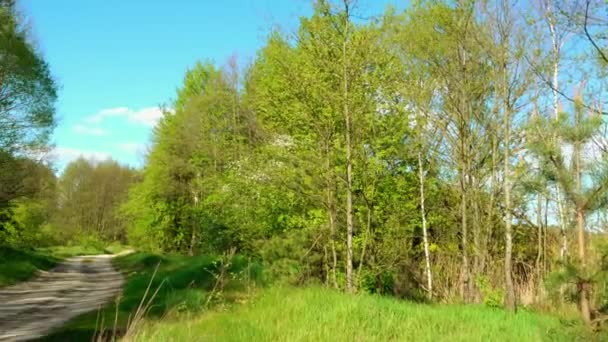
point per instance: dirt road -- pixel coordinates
(34, 308)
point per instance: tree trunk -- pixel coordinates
(580, 230)
(195, 202)
(556, 51)
(545, 226)
(510, 302)
(234, 79)
(563, 249)
(539, 246)
(491, 207)
(331, 212)
(368, 232)
(510, 292)
(349, 162)
(466, 281)
(192, 241)
(427, 256)
(584, 284)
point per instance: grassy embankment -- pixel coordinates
(20, 265)
(318, 314)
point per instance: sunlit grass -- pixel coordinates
(317, 314)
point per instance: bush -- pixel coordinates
(492, 297)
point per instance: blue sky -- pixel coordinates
(117, 60)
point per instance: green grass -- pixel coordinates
(70, 251)
(316, 314)
(115, 248)
(20, 265)
(183, 284)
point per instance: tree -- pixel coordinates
(512, 80)
(27, 90)
(456, 63)
(193, 148)
(577, 131)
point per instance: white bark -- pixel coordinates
(349, 163)
(556, 51)
(427, 255)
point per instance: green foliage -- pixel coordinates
(27, 90)
(492, 297)
(89, 197)
(576, 131)
(174, 208)
(27, 201)
(258, 162)
(561, 283)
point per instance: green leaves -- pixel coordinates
(27, 90)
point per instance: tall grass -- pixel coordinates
(317, 314)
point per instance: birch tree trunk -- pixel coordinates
(427, 256)
(556, 51)
(466, 281)
(510, 295)
(349, 162)
(331, 212)
(195, 201)
(539, 236)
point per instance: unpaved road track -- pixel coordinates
(34, 308)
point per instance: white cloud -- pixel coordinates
(66, 154)
(148, 116)
(86, 130)
(114, 111)
(133, 148)
(108, 112)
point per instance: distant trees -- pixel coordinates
(89, 195)
(27, 199)
(82, 205)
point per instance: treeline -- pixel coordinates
(79, 207)
(451, 151)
